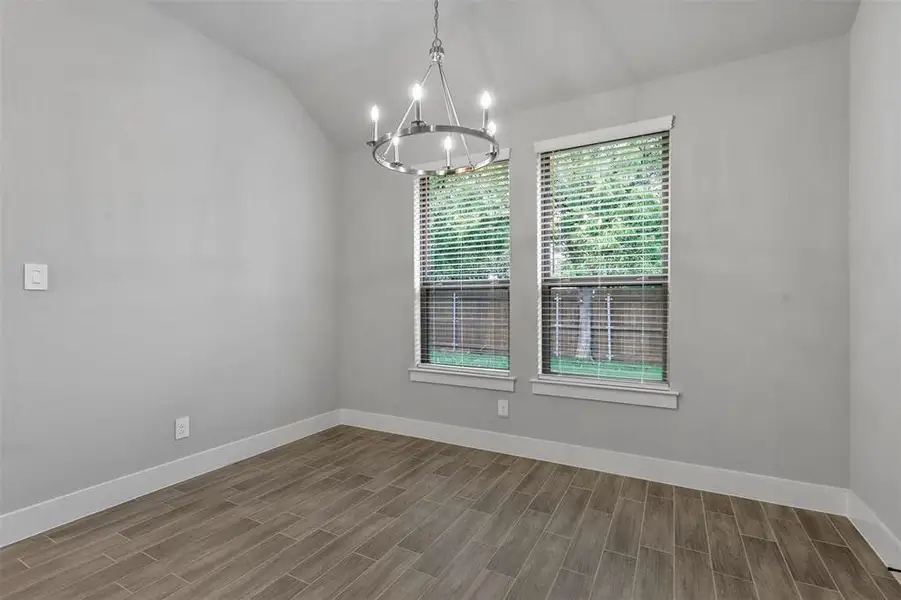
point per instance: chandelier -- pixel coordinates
(390, 143)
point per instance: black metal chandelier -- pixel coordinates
(389, 143)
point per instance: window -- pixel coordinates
(604, 259)
(463, 269)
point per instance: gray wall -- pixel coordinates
(759, 275)
(875, 248)
(184, 203)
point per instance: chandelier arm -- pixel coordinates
(403, 120)
(450, 98)
(446, 95)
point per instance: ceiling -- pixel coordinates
(341, 56)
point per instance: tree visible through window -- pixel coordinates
(463, 269)
(604, 259)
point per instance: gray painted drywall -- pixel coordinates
(759, 275)
(875, 248)
(184, 202)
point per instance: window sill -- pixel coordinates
(471, 378)
(602, 391)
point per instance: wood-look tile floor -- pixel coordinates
(353, 514)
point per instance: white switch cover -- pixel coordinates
(503, 408)
(35, 277)
(182, 427)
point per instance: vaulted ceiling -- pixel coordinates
(341, 56)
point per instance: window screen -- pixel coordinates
(604, 259)
(463, 269)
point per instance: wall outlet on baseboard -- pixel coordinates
(503, 408)
(182, 427)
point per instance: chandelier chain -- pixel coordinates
(436, 43)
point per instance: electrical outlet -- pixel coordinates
(182, 427)
(503, 408)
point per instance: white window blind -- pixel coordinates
(604, 259)
(462, 225)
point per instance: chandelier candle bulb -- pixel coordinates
(448, 146)
(396, 143)
(417, 104)
(374, 113)
(486, 105)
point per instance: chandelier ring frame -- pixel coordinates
(424, 128)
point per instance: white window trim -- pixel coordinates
(485, 379)
(605, 390)
(469, 377)
(607, 134)
(602, 390)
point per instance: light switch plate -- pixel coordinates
(35, 277)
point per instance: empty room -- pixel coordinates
(450, 299)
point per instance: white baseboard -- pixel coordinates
(38, 518)
(884, 542)
(42, 517)
(735, 483)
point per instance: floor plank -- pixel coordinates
(278, 567)
(336, 580)
(693, 574)
(811, 592)
(732, 588)
(411, 585)
(380, 576)
(553, 490)
(499, 525)
(312, 568)
(446, 547)
(540, 570)
(717, 503)
(283, 588)
(570, 586)
(569, 512)
(819, 527)
(625, 530)
(851, 578)
(859, 546)
(461, 573)
(768, 570)
(726, 549)
(634, 489)
(535, 478)
(161, 588)
(437, 523)
(615, 578)
(513, 553)
(498, 492)
(654, 575)
(488, 586)
(657, 532)
(606, 492)
(889, 586)
(751, 519)
(690, 529)
(384, 541)
(803, 560)
(584, 553)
